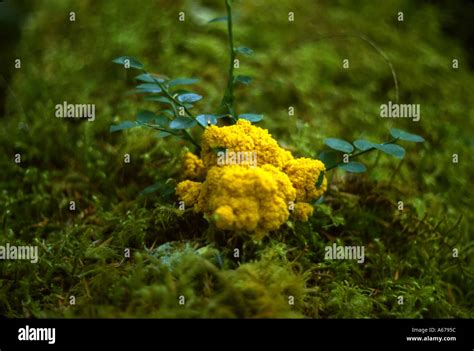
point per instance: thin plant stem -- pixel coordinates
(184, 131)
(228, 99)
(394, 173)
(186, 135)
(171, 97)
(175, 102)
(376, 48)
(376, 162)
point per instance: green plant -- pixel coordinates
(345, 150)
(176, 118)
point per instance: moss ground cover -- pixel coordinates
(299, 64)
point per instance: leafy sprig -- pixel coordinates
(176, 118)
(342, 149)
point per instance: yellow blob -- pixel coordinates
(250, 199)
(193, 167)
(224, 217)
(242, 137)
(303, 211)
(188, 191)
(304, 174)
(240, 197)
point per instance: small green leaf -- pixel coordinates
(133, 62)
(162, 134)
(320, 180)
(329, 158)
(162, 99)
(182, 81)
(189, 97)
(402, 135)
(149, 88)
(243, 79)
(252, 117)
(182, 123)
(206, 120)
(165, 188)
(391, 149)
(218, 19)
(244, 51)
(363, 145)
(168, 112)
(162, 120)
(151, 189)
(339, 145)
(353, 167)
(121, 126)
(148, 78)
(145, 116)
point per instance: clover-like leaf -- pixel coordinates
(206, 120)
(339, 145)
(182, 123)
(363, 145)
(353, 167)
(164, 188)
(148, 88)
(145, 116)
(244, 51)
(162, 99)
(148, 78)
(246, 80)
(329, 158)
(189, 97)
(402, 135)
(162, 120)
(151, 189)
(162, 134)
(391, 149)
(123, 125)
(128, 61)
(168, 112)
(219, 19)
(182, 81)
(252, 117)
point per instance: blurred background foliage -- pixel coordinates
(299, 64)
